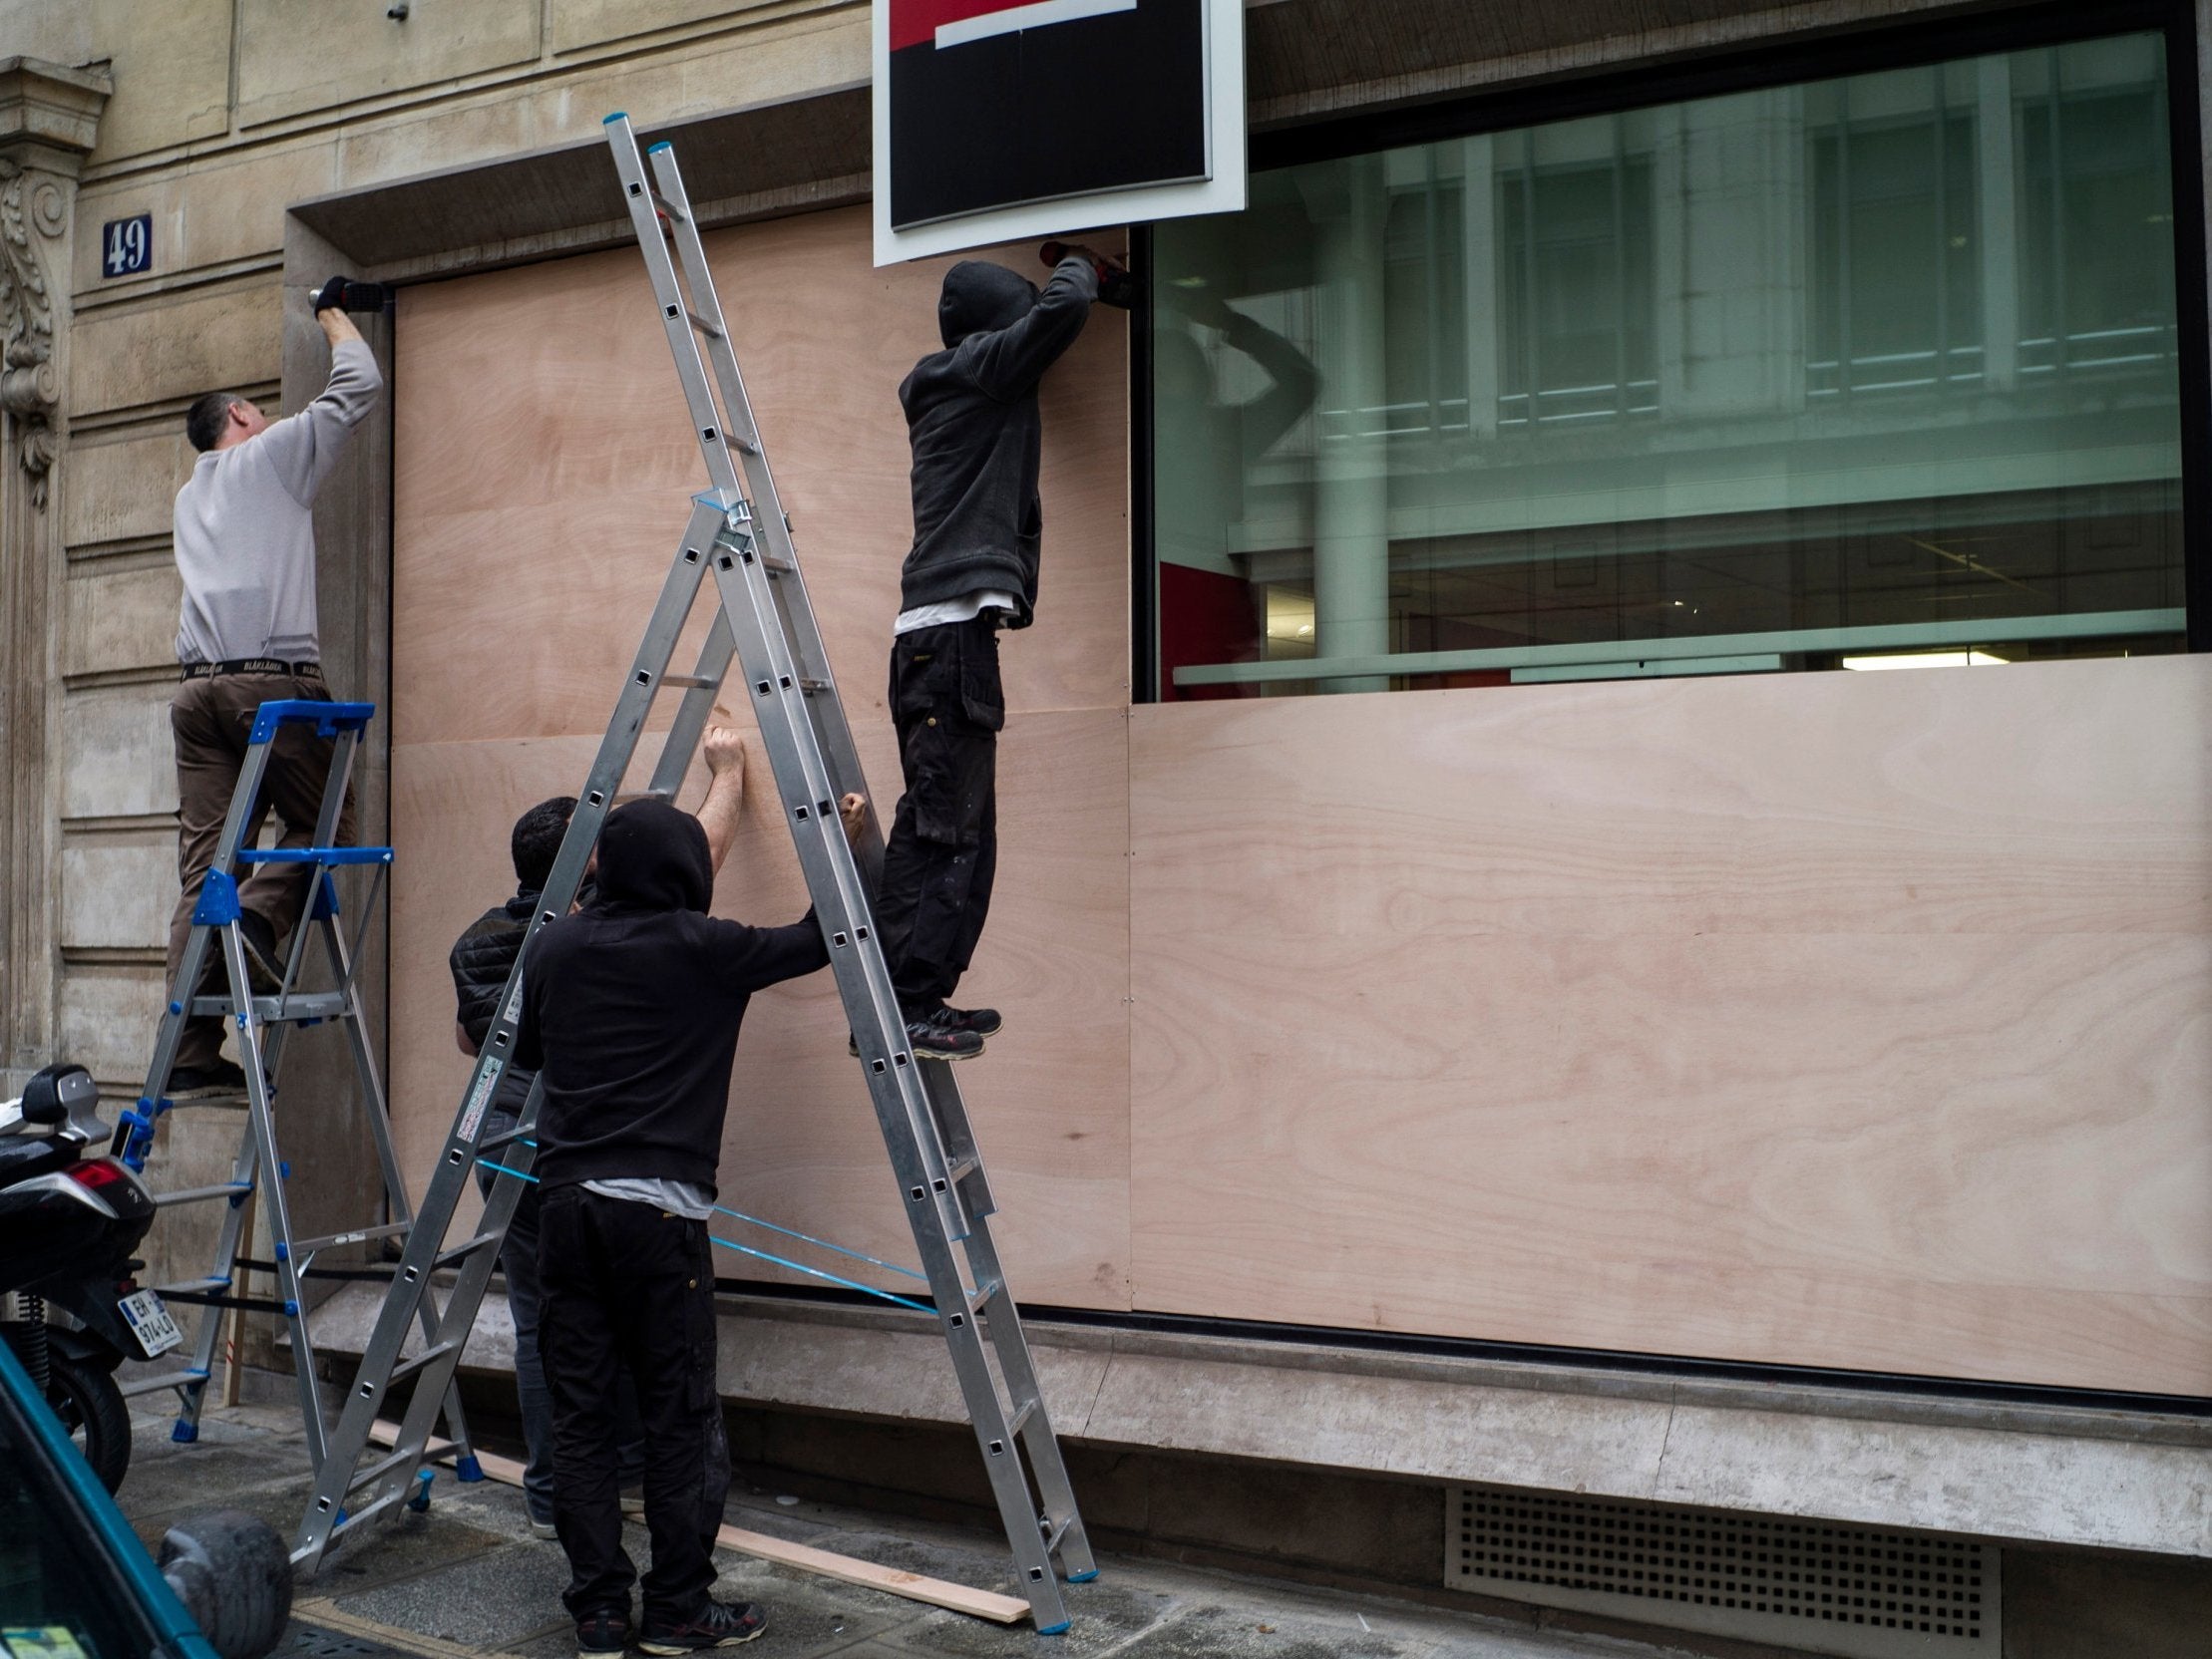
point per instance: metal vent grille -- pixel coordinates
(1853, 1590)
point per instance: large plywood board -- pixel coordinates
(801, 1147)
(1837, 1020)
(543, 468)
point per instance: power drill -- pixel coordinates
(1117, 284)
(347, 294)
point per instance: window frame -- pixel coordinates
(1778, 62)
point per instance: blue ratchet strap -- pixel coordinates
(849, 1284)
(795, 1266)
(809, 1238)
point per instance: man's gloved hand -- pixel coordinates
(347, 294)
(1117, 286)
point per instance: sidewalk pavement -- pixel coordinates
(468, 1578)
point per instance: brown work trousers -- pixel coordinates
(212, 719)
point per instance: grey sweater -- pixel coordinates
(245, 526)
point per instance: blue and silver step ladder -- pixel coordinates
(262, 1027)
(763, 639)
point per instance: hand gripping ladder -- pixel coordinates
(738, 529)
(263, 1024)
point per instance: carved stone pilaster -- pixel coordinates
(49, 118)
(34, 222)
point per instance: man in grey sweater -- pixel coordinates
(244, 541)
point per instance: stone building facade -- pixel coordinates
(271, 142)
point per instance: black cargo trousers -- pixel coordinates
(629, 1287)
(942, 853)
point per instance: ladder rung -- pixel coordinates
(378, 1469)
(504, 1139)
(812, 688)
(313, 855)
(368, 1512)
(190, 1287)
(200, 1195)
(321, 1005)
(626, 797)
(667, 208)
(703, 326)
(1014, 1423)
(964, 1167)
(690, 682)
(408, 1368)
(360, 1236)
(167, 1379)
(465, 1249)
(982, 1296)
(1053, 1533)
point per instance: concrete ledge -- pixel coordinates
(2047, 1476)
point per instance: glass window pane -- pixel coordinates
(1769, 380)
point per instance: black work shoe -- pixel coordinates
(264, 966)
(718, 1624)
(938, 1035)
(600, 1633)
(198, 1083)
(985, 1022)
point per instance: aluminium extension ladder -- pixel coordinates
(763, 621)
(262, 1025)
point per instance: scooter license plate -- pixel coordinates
(150, 1322)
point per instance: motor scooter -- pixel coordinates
(68, 1226)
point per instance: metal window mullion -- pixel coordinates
(2057, 239)
(1620, 279)
(1529, 319)
(1431, 289)
(1843, 240)
(1943, 227)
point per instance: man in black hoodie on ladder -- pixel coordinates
(631, 1013)
(976, 432)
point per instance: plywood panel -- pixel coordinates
(802, 1145)
(1861, 1021)
(543, 469)
(542, 452)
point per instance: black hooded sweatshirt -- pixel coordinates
(631, 1007)
(972, 418)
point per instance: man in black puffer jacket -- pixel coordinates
(481, 958)
(977, 439)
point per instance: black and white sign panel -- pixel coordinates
(1002, 119)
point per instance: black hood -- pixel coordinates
(653, 856)
(979, 298)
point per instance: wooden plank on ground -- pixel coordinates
(915, 1586)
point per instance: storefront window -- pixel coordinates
(1791, 378)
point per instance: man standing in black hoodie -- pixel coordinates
(480, 961)
(630, 1014)
(976, 432)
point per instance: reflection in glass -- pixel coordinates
(1759, 381)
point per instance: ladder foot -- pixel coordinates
(184, 1433)
(468, 1468)
(420, 1502)
(1059, 1629)
(1082, 1577)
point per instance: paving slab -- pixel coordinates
(1243, 1633)
(1105, 1617)
(501, 1595)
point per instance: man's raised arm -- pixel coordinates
(305, 448)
